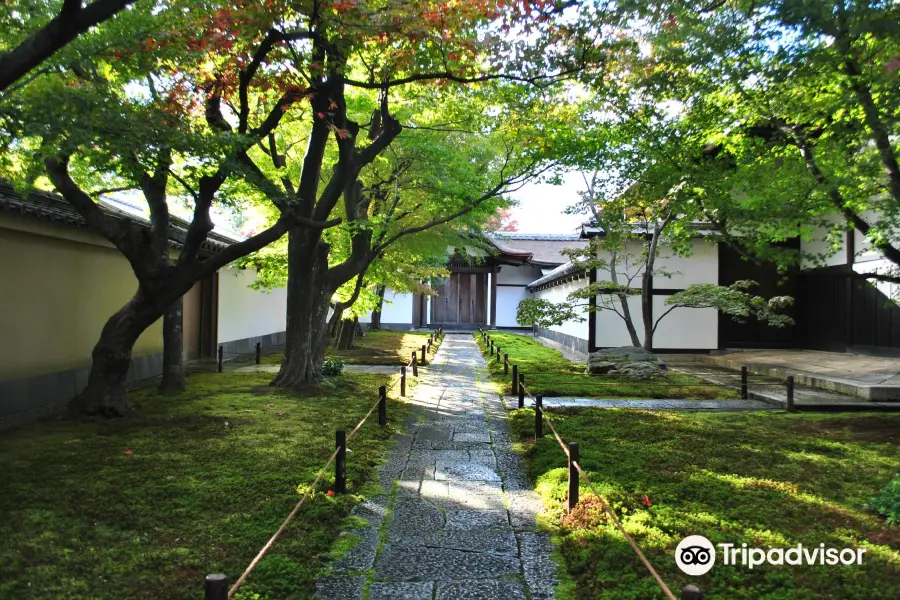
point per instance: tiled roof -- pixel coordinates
(545, 249)
(560, 272)
(54, 208)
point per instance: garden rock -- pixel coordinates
(641, 371)
(611, 360)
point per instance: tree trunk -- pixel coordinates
(623, 300)
(105, 391)
(173, 345)
(348, 334)
(376, 313)
(308, 294)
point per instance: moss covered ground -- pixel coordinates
(195, 483)
(549, 373)
(764, 479)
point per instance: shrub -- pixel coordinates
(887, 502)
(332, 366)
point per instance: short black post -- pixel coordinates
(744, 383)
(521, 390)
(415, 364)
(492, 347)
(506, 364)
(498, 354)
(691, 592)
(790, 393)
(429, 343)
(221, 354)
(258, 352)
(403, 381)
(515, 379)
(382, 405)
(216, 585)
(538, 416)
(573, 475)
(340, 462)
(423, 355)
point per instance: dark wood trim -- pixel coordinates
(468, 269)
(665, 291)
(720, 277)
(512, 285)
(850, 246)
(494, 271)
(592, 315)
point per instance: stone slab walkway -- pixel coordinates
(456, 520)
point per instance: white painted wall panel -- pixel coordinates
(611, 330)
(508, 299)
(559, 294)
(520, 275)
(819, 244)
(685, 328)
(883, 266)
(245, 312)
(397, 308)
(701, 266)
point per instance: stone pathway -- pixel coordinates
(457, 517)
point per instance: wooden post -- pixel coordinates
(538, 416)
(414, 365)
(423, 355)
(382, 405)
(506, 364)
(744, 383)
(790, 393)
(498, 354)
(216, 585)
(573, 475)
(340, 462)
(492, 347)
(691, 592)
(429, 343)
(403, 381)
(221, 354)
(515, 380)
(521, 390)
(258, 352)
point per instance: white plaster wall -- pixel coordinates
(685, 328)
(883, 266)
(611, 330)
(523, 275)
(397, 308)
(508, 299)
(817, 244)
(559, 294)
(701, 266)
(245, 312)
(632, 250)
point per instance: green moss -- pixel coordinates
(765, 479)
(549, 373)
(210, 476)
(343, 544)
(386, 347)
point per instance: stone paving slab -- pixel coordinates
(457, 519)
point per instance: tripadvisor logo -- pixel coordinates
(695, 555)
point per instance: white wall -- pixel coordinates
(558, 294)
(397, 308)
(244, 312)
(611, 330)
(685, 328)
(508, 299)
(700, 266)
(819, 244)
(509, 296)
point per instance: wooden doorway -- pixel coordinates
(461, 301)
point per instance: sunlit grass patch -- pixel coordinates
(549, 373)
(196, 483)
(765, 479)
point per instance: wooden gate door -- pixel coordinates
(460, 301)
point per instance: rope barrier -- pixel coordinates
(299, 504)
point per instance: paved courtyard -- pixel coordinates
(456, 520)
